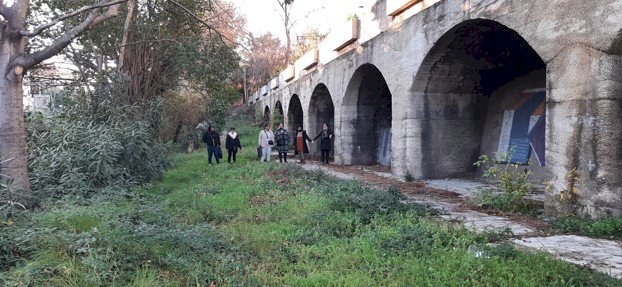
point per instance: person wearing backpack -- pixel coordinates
(282, 142)
(212, 139)
(232, 143)
(265, 141)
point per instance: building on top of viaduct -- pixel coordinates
(426, 86)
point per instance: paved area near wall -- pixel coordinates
(470, 187)
(601, 255)
(598, 254)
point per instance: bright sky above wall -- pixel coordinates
(263, 15)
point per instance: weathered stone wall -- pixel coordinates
(579, 42)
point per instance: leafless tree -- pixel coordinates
(288, 24)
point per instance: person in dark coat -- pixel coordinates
(232, 143)
(282, 142)
(325, 136)
(300, 143)
(212, 139)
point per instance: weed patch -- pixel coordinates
(610, 228)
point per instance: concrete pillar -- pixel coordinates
(584, 132)
(344, 144)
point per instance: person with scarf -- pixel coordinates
(212, 139)
(325, 136)
(232, 143)
(300, 144)
(265, 141)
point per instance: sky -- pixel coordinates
(263, 15)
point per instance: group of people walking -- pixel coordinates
(212, 139)
(281, 138)
(266, 140)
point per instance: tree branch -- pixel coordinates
(102, 4)
(94, 17)
(150, 41)
(112, 12)
(203, 22)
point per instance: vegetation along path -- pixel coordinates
(595, 253)
(254, 224)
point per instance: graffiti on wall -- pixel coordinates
(523, 130)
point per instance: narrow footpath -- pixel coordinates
(450, 197)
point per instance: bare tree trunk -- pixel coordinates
(13, 64)
(131, 5)
(12, 134)
(288, 49)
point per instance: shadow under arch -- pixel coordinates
(321, 110)
(266, 115)
(295, 114)
(482, 87)
(366, 118)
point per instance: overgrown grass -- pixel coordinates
(254, 224)
(610, 228)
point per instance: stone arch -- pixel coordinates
(277, 115)
(321, 110)
(483, 90)
(366, 118)
(295, 114)
(266, 115)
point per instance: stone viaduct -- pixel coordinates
(426, 86)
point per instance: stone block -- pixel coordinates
(308, 60)
(344, 34)
(396, 7)
(289, 73)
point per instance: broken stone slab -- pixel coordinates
(598, 254)
(481, 222)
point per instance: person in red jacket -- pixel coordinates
(300, 144)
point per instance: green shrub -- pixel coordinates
(408, 177)
(510, 179)
(370, 203)
(74, 153)
(504, 202)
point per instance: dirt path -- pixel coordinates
(451, 198)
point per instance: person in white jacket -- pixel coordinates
(265, 141)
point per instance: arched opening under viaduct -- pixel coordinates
(321, 110)
(367, 118)
(294, 114)
(266, 115)
(483, 91)
(277, 116)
